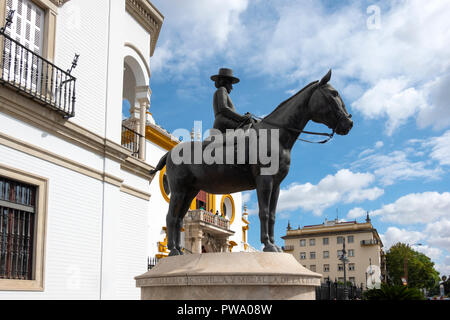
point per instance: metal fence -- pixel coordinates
(130, 140)
(35, 77)
(336, 291)
(151, 263)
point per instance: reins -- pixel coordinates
(329, 135)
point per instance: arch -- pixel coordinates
(227, 202)
(132, 50)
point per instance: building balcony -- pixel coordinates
(288, 248)
(131, 140)
(208, 219)
(26, 72)
(369, 242)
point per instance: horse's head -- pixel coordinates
(327, 107)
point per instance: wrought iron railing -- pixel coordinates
(130, 140)
(17, 219)
(369, 242)
(36, 77)
(151, 262)
(337, 291)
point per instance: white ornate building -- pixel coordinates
(78, 218)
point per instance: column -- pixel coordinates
(143, 98)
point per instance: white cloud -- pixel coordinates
(356, 213)
(416, 208)
(391, 98)
(379, 144)
(394, 235)
(437, 114)
(440, 148)
(195, 31)
(397, 166)
(345, 186)
(403, 65)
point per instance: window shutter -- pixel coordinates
(28, 24)
(28, 29)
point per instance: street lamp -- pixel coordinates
(344, 260)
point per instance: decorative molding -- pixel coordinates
(228, 280)
(28, 111)
(233, 207)
(141, 55)
(38, 282)
(135, 192)
(148, 17)
(160, 138)
(59, 3)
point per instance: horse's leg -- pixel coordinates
(185, 203)
(171, 225)
(272, 215)
(264, 185)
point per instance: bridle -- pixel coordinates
(329, 135)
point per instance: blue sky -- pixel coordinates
(391, 63)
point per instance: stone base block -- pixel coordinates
(229, 276)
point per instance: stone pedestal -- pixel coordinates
(229, 276)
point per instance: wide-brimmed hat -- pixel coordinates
(225, 73)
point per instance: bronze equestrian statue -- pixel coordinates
(225, 113)
(318, 102)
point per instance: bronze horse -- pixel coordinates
(318, 102)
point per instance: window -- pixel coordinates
(326, 254)
(23, 199)
(303, 243)
(312, 255)
(326, 268)
(341, 280)
(339, 253)
(302, 255)
(351, 267)
(340, 240)
(352, 280)
(312, 268)
(17, 218)
(340, 267)
(351, 253)
(350, 239)
(325, 241)
(312, 242)
(34, 25)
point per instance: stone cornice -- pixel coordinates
(148, 17)
(28, 111)
(59, 3)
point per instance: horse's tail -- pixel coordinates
(161, 164)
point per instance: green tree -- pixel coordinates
(420, 268)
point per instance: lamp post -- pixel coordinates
(344, 260)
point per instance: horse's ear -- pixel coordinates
(325, 79)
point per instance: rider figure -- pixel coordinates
(225, 113)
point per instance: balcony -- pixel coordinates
(369, 242)
(208, 218)
(131, 140)
(288, 248)
(35, 77)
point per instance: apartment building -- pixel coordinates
(319, 247)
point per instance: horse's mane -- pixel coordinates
(294, 96)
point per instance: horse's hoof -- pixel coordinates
(279, 249)
(174, 252)
(270, 248)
